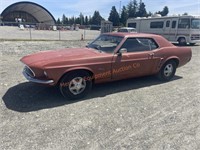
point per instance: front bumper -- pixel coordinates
(31, 79)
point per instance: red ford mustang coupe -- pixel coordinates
(110, 57)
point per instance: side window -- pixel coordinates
(173, 24)
(133, 25)
(157, 24)
(184, 23)
(139, 44)
(168, 24)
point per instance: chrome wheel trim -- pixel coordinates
(77, 85)
(168, 70)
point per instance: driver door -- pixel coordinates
(139, 60)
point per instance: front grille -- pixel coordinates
(29, 72)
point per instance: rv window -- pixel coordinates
(174, 24)
(139, 44)
(184, 23)
(158, 24)
(133, 25)
(195, 24)
(168, 24)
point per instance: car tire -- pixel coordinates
(75, 85)
(167, 71)
(182, 41)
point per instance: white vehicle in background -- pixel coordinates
(127, 29)
(181, 29)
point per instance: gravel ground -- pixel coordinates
(134, 114)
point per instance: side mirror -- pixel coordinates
(123, 50)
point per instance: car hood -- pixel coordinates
(50, 56)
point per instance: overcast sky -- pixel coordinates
(87, 7)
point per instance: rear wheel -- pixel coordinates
(75, 85)
(182, 41)
(167, 71)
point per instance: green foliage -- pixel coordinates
(58, 21)
(114, 17)
(164, 12)
(63, 19)
(142, 11)
(86, 20)
(96, 18)
(133, 9)
(124, 16)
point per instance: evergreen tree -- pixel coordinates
(86, 20)
(114, 16)
(124, 16)
(77, 20)
(132, 8)
(164, 12)
(96, 18)
(66, 21)
(63, 19)
(142, 10)
(58, 21)
(72, 20)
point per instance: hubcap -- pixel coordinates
(77, 85)
(168, 70)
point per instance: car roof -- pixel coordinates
(162, 42)
(127, 34)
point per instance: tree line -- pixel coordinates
(132, 10)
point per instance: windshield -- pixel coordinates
(106, 43)
(195, 24)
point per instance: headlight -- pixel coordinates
(29, 71)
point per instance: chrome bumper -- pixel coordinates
(37, 80)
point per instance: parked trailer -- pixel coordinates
(181, 29)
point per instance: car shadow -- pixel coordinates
(28, 97)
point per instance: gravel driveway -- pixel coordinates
(134, 114)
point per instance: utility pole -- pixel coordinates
(120, 7)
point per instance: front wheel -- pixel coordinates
(75, 85)
(167, 71)
(182, 41)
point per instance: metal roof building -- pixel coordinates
(27, 12)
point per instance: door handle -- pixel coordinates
(151, 55)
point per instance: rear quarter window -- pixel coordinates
(148, 42)
(139, 44)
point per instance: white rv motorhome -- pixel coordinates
(181, 29)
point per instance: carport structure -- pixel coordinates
(28, 12)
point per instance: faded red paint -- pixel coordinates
(58, 62)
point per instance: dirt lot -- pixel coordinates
(140, 114)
